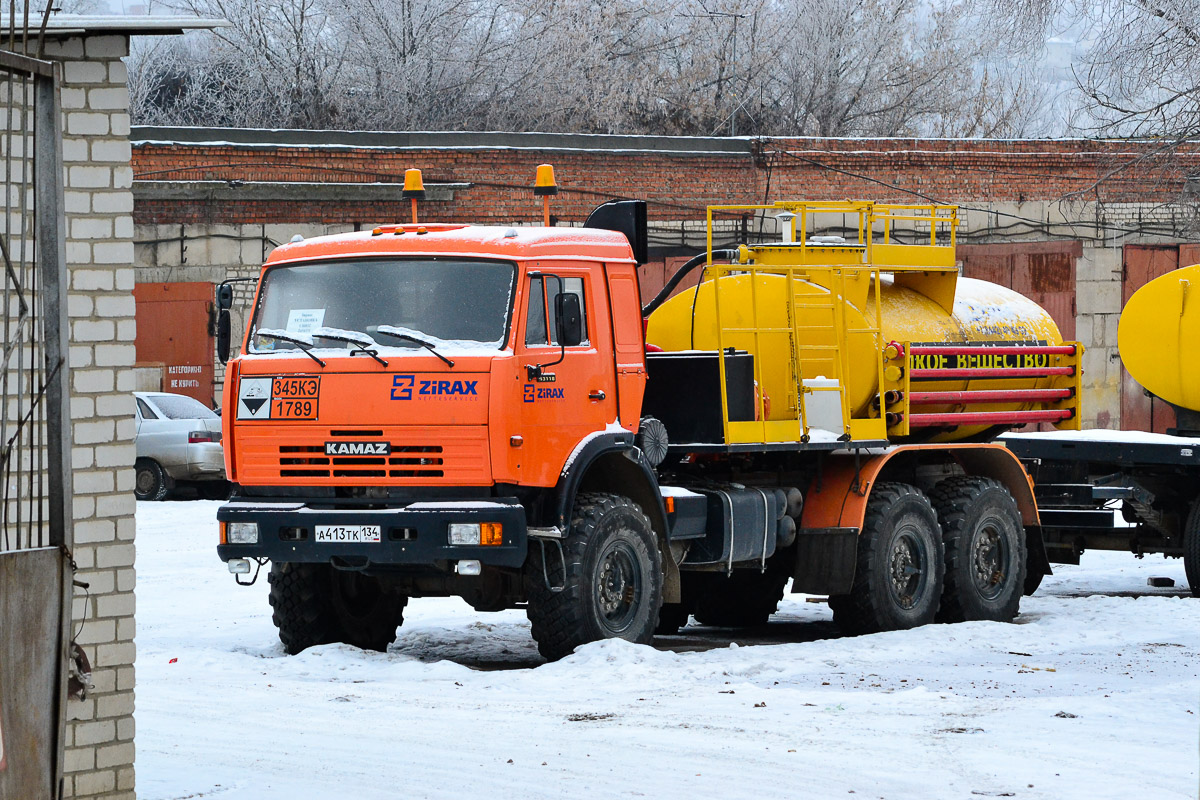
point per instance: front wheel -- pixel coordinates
(898, 572)
(316, 604)
(612, 586)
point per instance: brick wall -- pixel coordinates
(678, 184)
(99, 251)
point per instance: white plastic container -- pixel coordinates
(823, 408)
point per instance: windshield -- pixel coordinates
(178, 406)
(443, 302)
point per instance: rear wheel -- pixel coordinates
(898, 573)
(745, 599)
(1191, 549)
(315, 604)
(985, 550)
(149, 482)
(612, 587)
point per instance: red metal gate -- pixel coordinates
(1042, 271)
(174, 328)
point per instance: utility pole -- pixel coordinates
(735, 105)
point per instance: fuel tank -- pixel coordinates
(1157, 337)
(980, 313)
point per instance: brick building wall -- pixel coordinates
(99, 254)
(194, 186)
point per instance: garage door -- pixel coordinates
(1042, 271)
(175, 328)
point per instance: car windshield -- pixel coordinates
(442, 302)
(178, 406)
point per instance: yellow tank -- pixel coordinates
(1157, 337)
(980, 313)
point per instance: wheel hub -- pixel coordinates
(617, 588)
(989, 557)
(907, 570)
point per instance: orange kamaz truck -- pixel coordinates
(490, 412)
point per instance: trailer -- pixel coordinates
(1126, 490)
(489, 412)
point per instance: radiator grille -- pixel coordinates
(459, 457)
(406, 461)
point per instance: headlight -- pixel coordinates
(464, 533)
(243, 532)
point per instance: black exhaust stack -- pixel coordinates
(623, 216)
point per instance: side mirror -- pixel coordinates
(568, 319)
(224, 332)
(224, 297)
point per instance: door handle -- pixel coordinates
(597, 395)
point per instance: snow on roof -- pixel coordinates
(60, 25)
(475, 241)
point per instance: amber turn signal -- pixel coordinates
(491, 533)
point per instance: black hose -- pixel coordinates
(679, 275)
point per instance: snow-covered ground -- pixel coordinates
(1093, 693)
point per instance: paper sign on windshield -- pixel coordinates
(305, 320)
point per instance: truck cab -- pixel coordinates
(410, 401)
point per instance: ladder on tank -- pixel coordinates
(831, 360)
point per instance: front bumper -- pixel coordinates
(415, 534)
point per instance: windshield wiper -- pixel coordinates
(410, 338)
(303, 345)
(365, 344)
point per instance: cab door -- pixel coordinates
(572, 397)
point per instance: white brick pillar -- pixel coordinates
(99, 251)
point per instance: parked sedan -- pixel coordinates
(178, 441)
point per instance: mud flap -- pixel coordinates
(825, 560)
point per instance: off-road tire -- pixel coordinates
(150, 482)
(745, 599)
(312, 605)
(890, 592)
(613, 582)
(1191, 548)
(986, 557)
(367, 613)
(671, 617)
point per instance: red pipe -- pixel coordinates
(987, 418)
(989, 396)
(976, 350)
(1017, 372)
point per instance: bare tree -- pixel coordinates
(824, 67)
(1136, 70)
